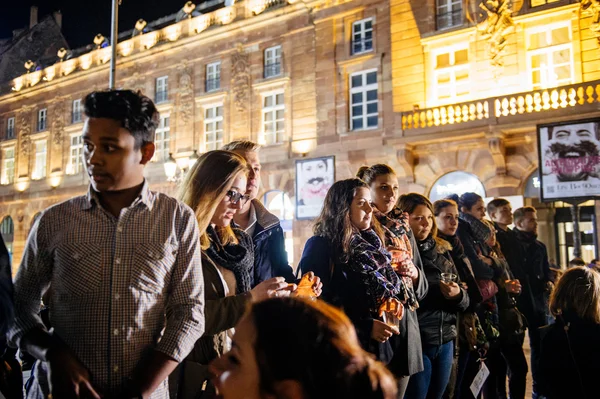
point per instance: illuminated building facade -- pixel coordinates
(430, 87)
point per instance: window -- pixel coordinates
(8, 165)
(42, 116)
(7, 229)
(273, 118)
(162, 139)
(536, 3)
(75, 160)
(10, 128)
(449, 13)
(273, 61)
(39, 167)
(364, 113)
(162, 88)
(213, 127)
(451, 74)
(550, 56)
(76, 115)
(362, 36)
(213, 76)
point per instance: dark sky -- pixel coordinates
(83, 19)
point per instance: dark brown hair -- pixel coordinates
(441, 204)
(409, 202)
(316, 345)
(334, 221)
(496, 203)
(368, 174)
(521, 212)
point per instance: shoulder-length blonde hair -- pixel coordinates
(577, 293)
(205, 186)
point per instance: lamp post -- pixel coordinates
(175, 172)
(114, 37)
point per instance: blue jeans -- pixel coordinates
(432, 381)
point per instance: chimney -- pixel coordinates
(33, 16)
(58, 18)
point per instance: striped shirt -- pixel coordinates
(121, 287)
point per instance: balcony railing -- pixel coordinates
(213, 84)
(449, 19)
(362, 45)
(498, 110)
(273, 69)
(161, 96)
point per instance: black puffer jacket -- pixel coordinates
(437, 315)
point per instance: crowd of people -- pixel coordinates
(128, 293)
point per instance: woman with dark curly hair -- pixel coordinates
(295, 349)
(348, 254)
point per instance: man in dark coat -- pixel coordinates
(270, 257)
(537, 271)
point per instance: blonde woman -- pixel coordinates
(215, 189)
(570, 349)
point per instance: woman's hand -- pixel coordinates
(403, 265)
(513, 286)
(381, 332)
(309, 286)
(392, 305)
(273, 287)
(449, 290)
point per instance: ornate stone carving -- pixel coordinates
(406, 159)
(58, 123)
(494, 22)
(592, 7)
(498, 153)
(25, 131)
(185, 94)
(240, 71)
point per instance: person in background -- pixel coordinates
(570, 349)
(127, 298)
(348, 253)
(537, 269)
(509, 354)
(270, 257)
(576, 262)
(399, 240)
(297, 349)
(471, 339)
(438, 311)
(215, 189)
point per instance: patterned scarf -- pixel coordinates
(369, 257)
(239, 258)
(396, 238)
(481, 232)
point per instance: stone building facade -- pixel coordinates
(429, 87)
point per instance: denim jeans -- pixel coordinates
(431, 382)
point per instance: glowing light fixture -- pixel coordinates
(170, 166)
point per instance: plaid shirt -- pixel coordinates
(121, 287)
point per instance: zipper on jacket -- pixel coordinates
(441, 327)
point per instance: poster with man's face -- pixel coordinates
(569, 160)
(314, 177)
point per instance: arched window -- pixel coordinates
(456, 183)
(7, 229)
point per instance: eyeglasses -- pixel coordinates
(236, 197)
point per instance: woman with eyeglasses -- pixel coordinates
(214, 188)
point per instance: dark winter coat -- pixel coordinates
(270, 257)
(437, 315)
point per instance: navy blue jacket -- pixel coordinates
(270, 257)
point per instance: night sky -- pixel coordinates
(83, 19)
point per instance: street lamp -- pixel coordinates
(193, 158)
(170, 166)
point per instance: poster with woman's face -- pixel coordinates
(314, 177)
(570, 160)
